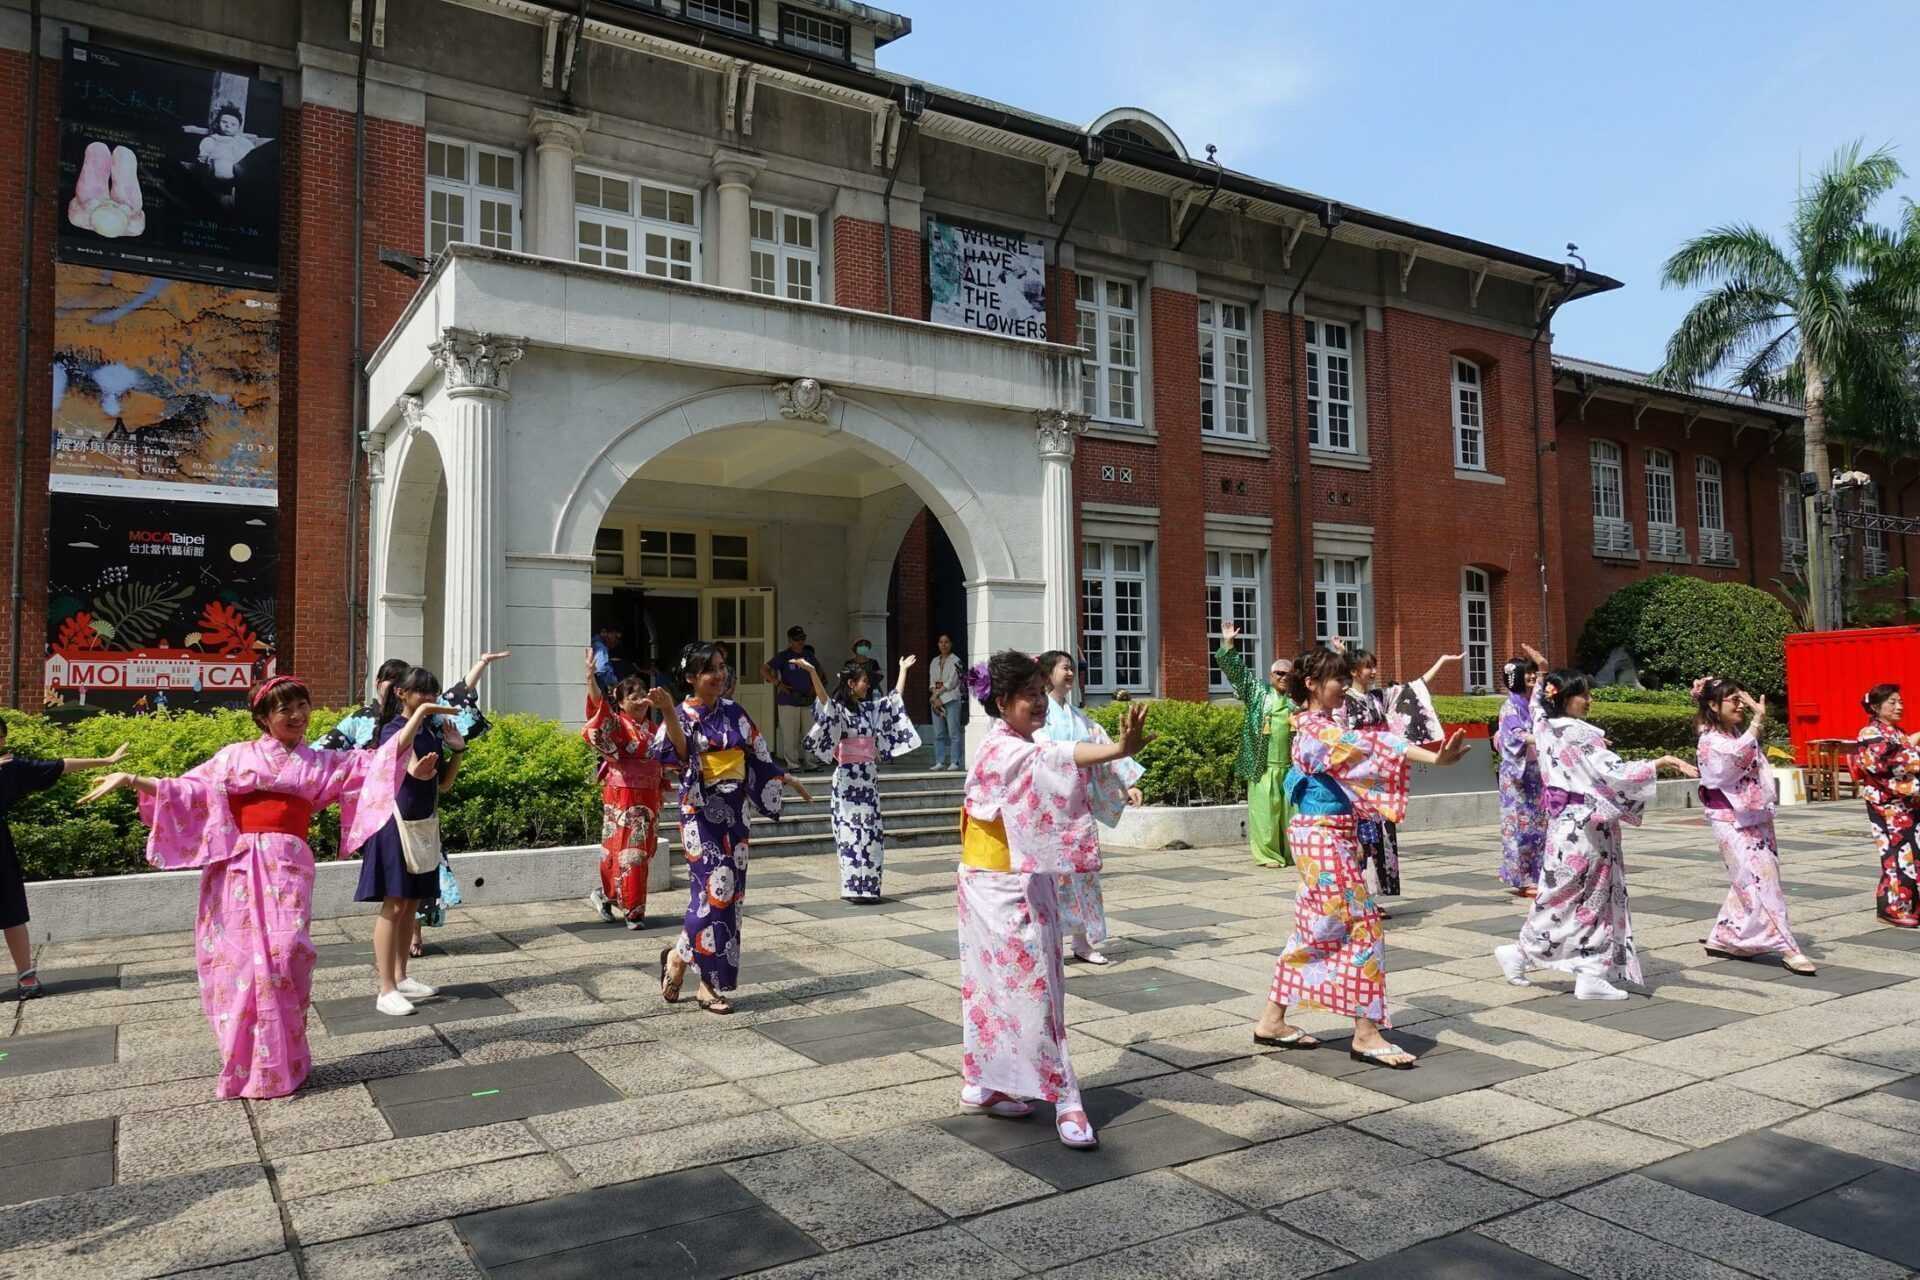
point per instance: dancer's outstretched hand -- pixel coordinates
(1133, 728)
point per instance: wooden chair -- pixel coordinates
(1829, 769)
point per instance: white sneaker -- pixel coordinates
(394, 1005)
(1513, 963)
(414, 989)
(1587, 987)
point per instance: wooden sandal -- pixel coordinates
(718, 1005)
(669, 987)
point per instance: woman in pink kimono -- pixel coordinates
(1028, 817)
(242, 817)
(1739, 807)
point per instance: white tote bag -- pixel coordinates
(420, 844)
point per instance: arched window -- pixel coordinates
(1476, 629)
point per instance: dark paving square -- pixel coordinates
(340, 955)
(1332, 1058)
(464, 1097)
(1507, 926)
(1464, 880)
(1908, 1088)
(56, 1161)
(1887, 937)
(1438, 1075)
(944, 945)
(1177, 917)
(1465, 1256)
(1188, 875)
(1562, 1004)
(1821, 892)
(1761, 1172)
(1666, 1020)
(57, 1050)
(1677, 908)
(861, 1033)
(1135, 1136)
(1838, 979)
(1117, 947)
(61, 981)
(836, 909)
(352, 1014)
(779, 879)
(1873, 1215)
(1400, 959)
(752, 971)
(658, 926)
(1148, 988)
(699, 1223)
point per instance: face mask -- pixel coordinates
(863, 649)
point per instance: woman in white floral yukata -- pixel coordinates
(1579, 921)
(1029, 816)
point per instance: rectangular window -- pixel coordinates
(1665, 539)
(784, 254)
(633, 225)
(1709, 495)
(1330, 386)
(473, 195)
(1338, 584)
(1234, 593)
(731, 559)
(1793, 521)
(1226, 370)
(610, 552)
(669, 553)
(1476, 629)
(811, 33)
(1612, 535)
(729, 15)
(1109, 334)
(1469, 432)
(1873, 542)
(1113, 615)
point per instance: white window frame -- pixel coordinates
(1793, 522)
(1873, 543)
(1226, 368)
(1335, 600)
(1606, 473)
(1324, 361)
(1666, 540)
(473, 194)
(698, 11)
(637, 227)
(1245, 594)
(1710, 510)
(1469, 415)
(1476, 603)
(1100, 324)
(1102, 635)
(784, 253)
(805, 38)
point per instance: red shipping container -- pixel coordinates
(1828, 672)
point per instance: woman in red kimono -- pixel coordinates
(621, 729)
(1887, 764)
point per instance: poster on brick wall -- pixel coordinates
(168, 168)
(995, 281)
(164, 388)
(158, 605)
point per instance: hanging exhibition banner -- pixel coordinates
(164, 388)
(994, 281)
(168, 169)
(170, 601)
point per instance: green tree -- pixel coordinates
(1827, 318)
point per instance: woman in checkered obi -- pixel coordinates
(1335, 958)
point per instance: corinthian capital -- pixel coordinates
(476, 363)
(1057, 432)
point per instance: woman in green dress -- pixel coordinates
(1266, 738)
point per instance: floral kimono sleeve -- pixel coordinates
(1040, 796)
(832, 721)
(1369, 764)
(606, 730)
(893, 731)
(365, 784)
(1409, 712)
(1886, 764)
(1115, 776)
(190, 824)
(1619, 790)
(469, 720)
(763, 775)
(1511, 739)
(1732, 766)
(354, 730)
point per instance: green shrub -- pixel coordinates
(1190, 760)
(1678, 628)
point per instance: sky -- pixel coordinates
(1623, 126)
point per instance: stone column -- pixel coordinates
(473, 445)
(1056, 438)
(733, 175)
(556, 142)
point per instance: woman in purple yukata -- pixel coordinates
(1523, 822)
(1738, 802)
(724, 767)
(1579, 922)
(242, 818)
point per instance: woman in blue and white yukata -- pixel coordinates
(852, 730)
(1083, 909)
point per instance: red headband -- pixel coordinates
(267, 686)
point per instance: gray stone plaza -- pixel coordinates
(550, 1116)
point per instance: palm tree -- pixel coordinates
(1828, 318)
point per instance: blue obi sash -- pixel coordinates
(1315, 793)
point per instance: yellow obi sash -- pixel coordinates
(729, 765)
(983, 845)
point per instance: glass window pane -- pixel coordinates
(680, 208)
(653, 203)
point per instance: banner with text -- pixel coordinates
(995, 281)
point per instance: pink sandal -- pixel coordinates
(1075, 1133)
(994, 1103)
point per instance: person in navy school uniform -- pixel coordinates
(18, 780)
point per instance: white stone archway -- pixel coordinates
(410, 502)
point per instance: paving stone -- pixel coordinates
(1081, 1224)
(955, 1176)
(850, 1115)
(1751, 1243)
(667, 1150)
(1762, 1172)
(342, 1168)
(944, 945)
(1552, 1162)
(1277, 1077)
(1465, 1255)
(455, 1003)
(1814, 1079)
(56, 1142)
(1229, 1250)
(275, 1266)
(1597, 1249)
(947, 1254)
(738, 1054)
(1438, 1075)
(1273, 1172)
(1147, 988)
(1872, 1215)
(145, 1229)
(1703, 1114)
(159, 1144)
(1429, 1198)
(467, 1097)
(831, 1081)
(1896, 1048)
(643, 1070)
(59, 1160)
(861, 1033)
(406, 1202)
(106, 1103)
(57, 1051)
(1442, 1126)
(432, 1252)
(633, 1116)
(318, 1119)
(832, 1197)
(1222, 1107)
(1177, 917)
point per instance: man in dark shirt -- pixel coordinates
(792, 696)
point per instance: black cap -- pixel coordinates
(796, 633)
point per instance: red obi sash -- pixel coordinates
(260, 813)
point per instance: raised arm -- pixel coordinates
(900, 682)
(1438, 663)
(1235, 669)
(662, 701)
(75, 764)
(1133, 736)
(593, 680)
(479, 668)
(813, 674)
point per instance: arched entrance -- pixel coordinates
(409, 618)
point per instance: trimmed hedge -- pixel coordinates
(527, 784)
(1190, 760)
(1678, 628)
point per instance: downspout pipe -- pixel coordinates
(356, 424)
(912, 101)
(1329, 215)
(29, 209)
(1570, 277)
